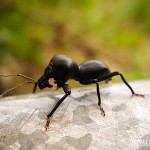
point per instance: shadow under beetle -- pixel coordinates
(62, 68)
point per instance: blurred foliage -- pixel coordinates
(31, 32)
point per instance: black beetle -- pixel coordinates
(62, 68)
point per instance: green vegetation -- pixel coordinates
(31, 32)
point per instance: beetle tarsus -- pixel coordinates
(102, 111)
(141, 95)
(47, 124)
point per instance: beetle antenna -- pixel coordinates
(9, 90)
(19, 75)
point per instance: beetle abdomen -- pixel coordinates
(93, 70)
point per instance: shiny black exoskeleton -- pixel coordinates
(63, 68)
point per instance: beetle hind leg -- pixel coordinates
(112, 74)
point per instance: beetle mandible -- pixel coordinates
(62, 68)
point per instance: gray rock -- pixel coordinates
(78, 123)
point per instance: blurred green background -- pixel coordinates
(31, 32)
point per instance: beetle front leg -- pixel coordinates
(67, 90)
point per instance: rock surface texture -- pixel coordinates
(78, 123)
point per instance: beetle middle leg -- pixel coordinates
(67, 90)
(91, 81)
(99, 99)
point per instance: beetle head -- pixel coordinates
(43, 81)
